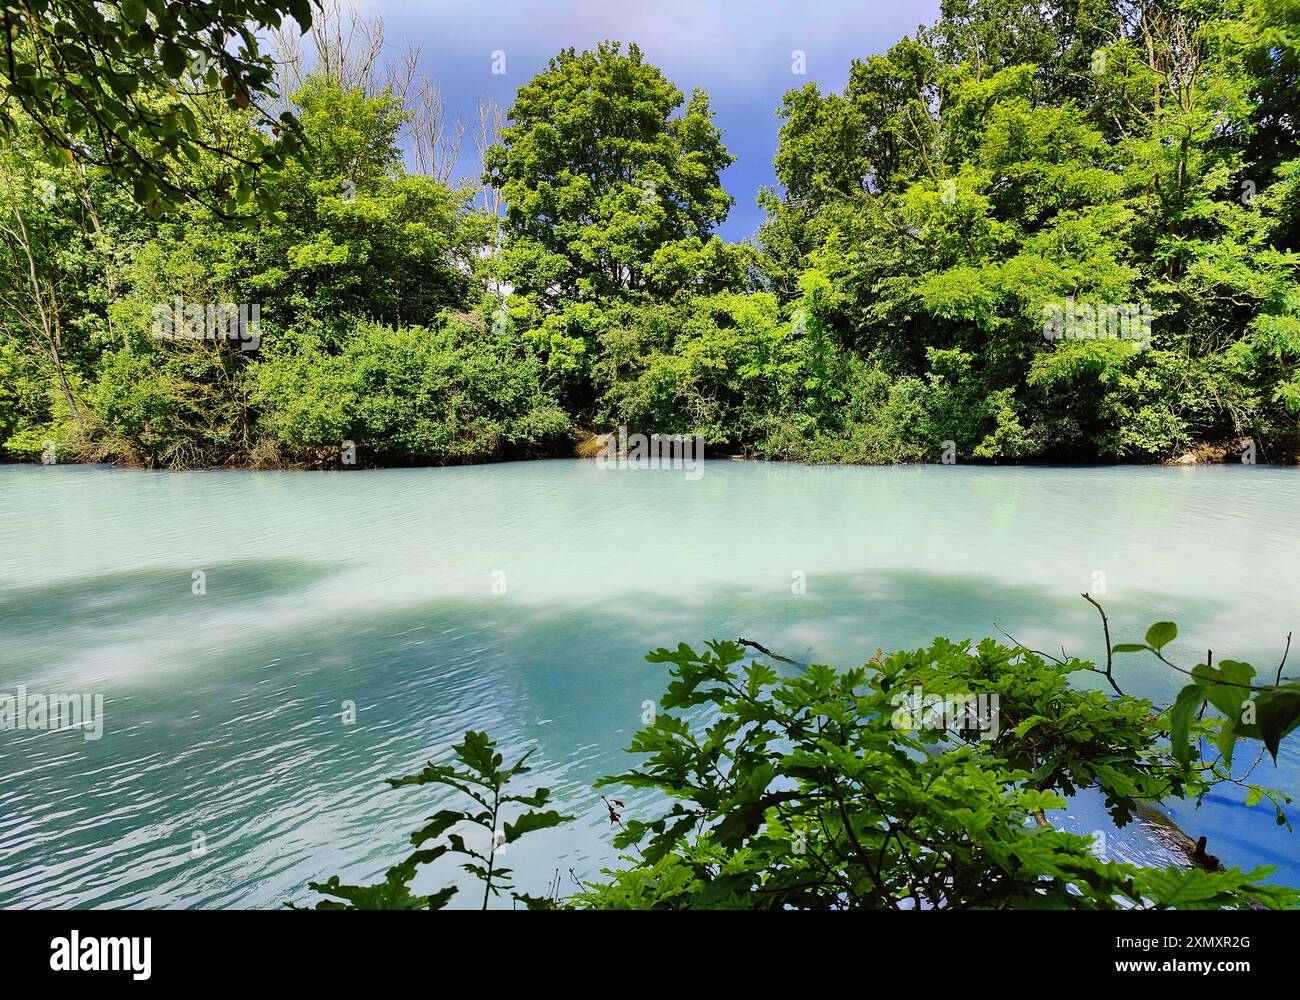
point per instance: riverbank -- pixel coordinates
(591, 446)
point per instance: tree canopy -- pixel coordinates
(1020, 233)
(122, 86)
(609, 180)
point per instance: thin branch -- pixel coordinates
(766, 652)
(1105, 627)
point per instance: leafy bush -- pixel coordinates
(881, 419)
(1106, 399)
(483, 779)
(717, 365)
(178, 406)
(411, 394)
(809, 791)
(24, 397)
(924, 779)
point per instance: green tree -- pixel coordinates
(114, 85)
(356, 245)
(1002, 162)
(609, 180)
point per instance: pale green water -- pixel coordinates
(222, 711)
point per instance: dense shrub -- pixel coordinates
(445, 393)
(929, 778)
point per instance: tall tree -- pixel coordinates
(608, 178)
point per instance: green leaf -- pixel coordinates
(479, 753)
(1189, 701)
(530, 821)
(1277, 713)
(439, 823)
(441, 898)
(1232, 688)
(133, 12)
(1161, 634)
(173, 59)
(536, 799)
(534, 902)
(1226, 741)
(1129, 647)
(1189, 888)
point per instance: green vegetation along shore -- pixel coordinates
(1010, 238)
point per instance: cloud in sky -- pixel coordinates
(739, 51)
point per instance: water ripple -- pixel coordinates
(228, 776)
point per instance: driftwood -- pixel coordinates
(767, 652)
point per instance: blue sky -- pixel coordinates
(739, 52)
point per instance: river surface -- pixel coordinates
(520, 599)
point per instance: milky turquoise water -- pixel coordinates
(521, 598)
